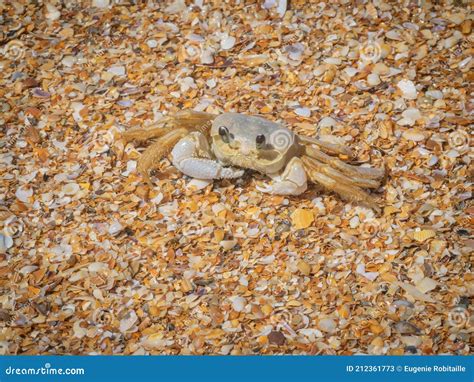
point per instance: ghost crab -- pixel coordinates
(208, 146)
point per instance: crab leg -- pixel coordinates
(346, 190)
(140, 135)
(327, 147)
(194, 120)
(188, 119)
(154, 153)
(352, 171)
(339, 176)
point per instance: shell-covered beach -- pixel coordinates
(93, 260)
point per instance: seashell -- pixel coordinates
(115, 228)
(303, 112)
(23, 194)
(228, 244)
(409, 118)
(426, 284)
(6, 242)
(152, 43)
(117, 70)
(128, 321)
(156, 341)
(238, 303)
(52, 13)
(100, 3)
(304, 267)
(198, 184)
(404, 327)
(453, 40)
(373, 79)
(227, 42)
(423, 235)
(71, 189)
(301, 218)
(207, 57)
(327, 325)
(380, 68)
(414, 135)
(408, 89)
(327, 122)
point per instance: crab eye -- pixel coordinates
(260, 140)
(224, 134)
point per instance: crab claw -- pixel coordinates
(291, 182)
